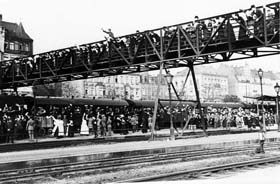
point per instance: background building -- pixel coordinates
(215, 84)
(134, 86)
(212, 85)
(14, 42)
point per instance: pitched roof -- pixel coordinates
(15, 30)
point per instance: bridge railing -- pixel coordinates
(198, 38)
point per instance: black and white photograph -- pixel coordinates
(139, 91)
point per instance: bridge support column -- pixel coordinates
(198, 100)
(156, 102)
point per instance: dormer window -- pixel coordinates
(16, 46)
(12, 46)
(27, 48)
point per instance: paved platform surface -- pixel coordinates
(162, 132)
(107, 148)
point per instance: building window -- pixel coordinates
(27, 47)
(20, 46)
(12, 46)
(6, 45)
(16, 46)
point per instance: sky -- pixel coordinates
(55, 24)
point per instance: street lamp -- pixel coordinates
(260, 73)
(169, 79)
(277, 90)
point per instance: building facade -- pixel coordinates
(119, 87)
(212, 85)
(14, 43)
(134, 86)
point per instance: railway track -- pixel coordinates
(206, 171)
(105, 165)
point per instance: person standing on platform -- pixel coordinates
(30, 128)
(133, 122)
(103, 125)
(84, 127)
(58, 129)
(70, 125)
(150, 122)
(65, 120)
(2, 127)
(262, 138)
(109, 126)
(10, 130)
(89, 119)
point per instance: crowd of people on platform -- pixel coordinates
(249, 23)
(20, 122)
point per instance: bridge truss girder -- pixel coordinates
(181, 45)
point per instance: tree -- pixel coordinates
(231, 98)
(68, 90)
(47, 89)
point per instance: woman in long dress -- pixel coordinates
(84, 127)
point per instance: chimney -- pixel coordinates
(0, 17)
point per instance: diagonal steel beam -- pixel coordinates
(213, 35)
(229, 27)
(151, 43)
(188, 40)
(170, 42)
(138, 48)
(173, 87)
(264, 27)
(61, 66)
(185, 82)
(51, 70)
(178, 43)
(119, 52)
(198, 98)
(253, 34)
(157, 99)
(85, 65)
(20, 71)
(6, 70)
(277, 32)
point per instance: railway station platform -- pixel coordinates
(109, 150)
(48, 142)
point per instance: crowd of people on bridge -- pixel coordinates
(20, 122)
(236, 26)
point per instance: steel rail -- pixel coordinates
(115, 163)
(201, 171)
